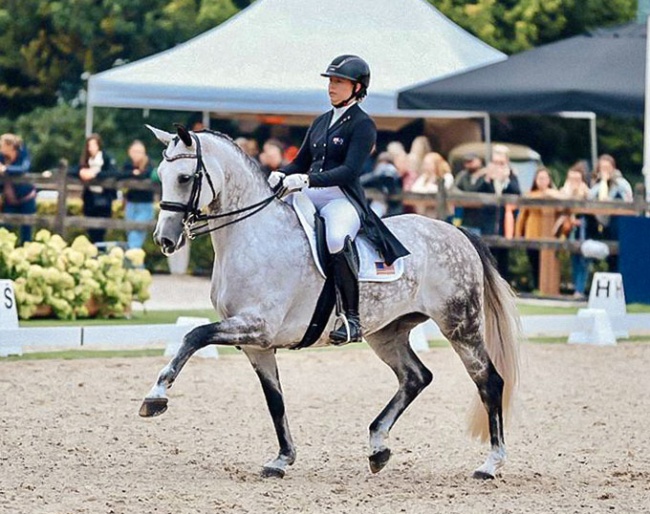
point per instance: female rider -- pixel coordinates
(327, 168)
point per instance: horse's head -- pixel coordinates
(186, 187)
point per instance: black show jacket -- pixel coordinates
(334, 157)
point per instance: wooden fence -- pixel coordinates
(436, 205)
(67, 187)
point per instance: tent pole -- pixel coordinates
(206, 119)
(646, 117)
(594, 140)
(89, 119)
(487, 134)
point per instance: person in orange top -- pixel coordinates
(538, 222)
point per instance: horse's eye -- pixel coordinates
(184, 179)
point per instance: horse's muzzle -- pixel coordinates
(168, 241)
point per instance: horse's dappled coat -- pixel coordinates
(265, 286)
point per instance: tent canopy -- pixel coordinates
(268, 58)
(601, 72)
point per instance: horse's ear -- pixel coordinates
(161, 135)
(184, 134)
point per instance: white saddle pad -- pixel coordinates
(372, 266)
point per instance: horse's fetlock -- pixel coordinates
(289, 457)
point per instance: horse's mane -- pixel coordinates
(252, 163)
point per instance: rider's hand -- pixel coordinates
(296, 182)
(275, 178)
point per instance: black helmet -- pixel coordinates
(353, 68)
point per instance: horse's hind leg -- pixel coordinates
(235, 331)
(265, 365)
(462, 326)
(391, 344)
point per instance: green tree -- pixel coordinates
(516, 25)
(52, 43)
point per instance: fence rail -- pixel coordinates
(65, 186)
(435, 205)
(438, 205)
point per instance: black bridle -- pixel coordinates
(195, 222)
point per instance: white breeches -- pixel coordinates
(341, 218)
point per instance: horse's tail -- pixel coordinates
(502, 336)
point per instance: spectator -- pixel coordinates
(241, 142)
(419, 148)
(17, 198)
(610, 185)
(406, 173)
(538, 222)
(385, 178)
(271, 157)
(195, 122)
(574, 227)
(497, 178)
(434, 169)
(249, 146)
(253, 149)
(395, 149)
(95, 164)
(467, 181)
(139, 202)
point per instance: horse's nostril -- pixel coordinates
(165, 242)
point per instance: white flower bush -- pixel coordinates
(70, 279)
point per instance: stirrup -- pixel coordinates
(343, 333)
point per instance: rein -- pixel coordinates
(196, 223)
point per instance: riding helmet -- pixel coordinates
(350, 67)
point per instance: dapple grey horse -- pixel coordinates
(265, 286)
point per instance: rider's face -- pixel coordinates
(339, 90)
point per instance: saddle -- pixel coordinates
(371, 265)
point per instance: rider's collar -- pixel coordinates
(337, 112)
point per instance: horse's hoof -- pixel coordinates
(378, 460)
(268, 472)
(482, 475)
(153, 407)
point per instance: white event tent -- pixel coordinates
(268, 58)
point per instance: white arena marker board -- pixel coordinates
(607, 293)
(8, 320)
(605, 319)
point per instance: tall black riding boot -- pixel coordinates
(347, 284)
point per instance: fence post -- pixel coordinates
(441, 204)
(61, 204)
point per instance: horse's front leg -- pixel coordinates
(266, 367)
(235, 331)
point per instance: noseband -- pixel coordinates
(195, 222)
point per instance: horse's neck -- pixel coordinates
(245, 186)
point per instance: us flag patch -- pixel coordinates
(381, 268)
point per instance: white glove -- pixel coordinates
(275, 178)
(296, 182)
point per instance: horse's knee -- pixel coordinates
(415, 380)
(200, 336)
